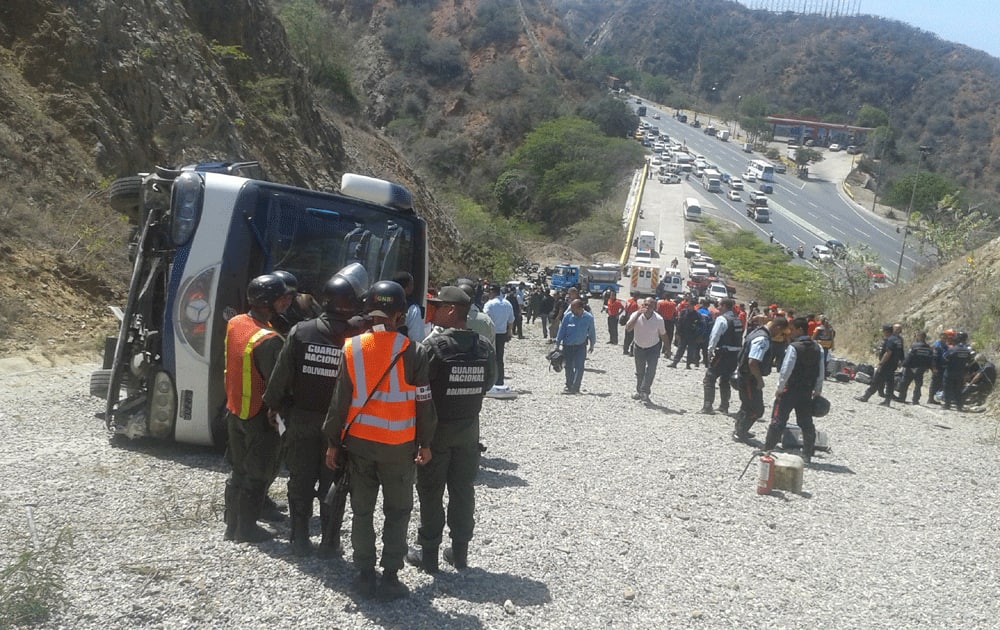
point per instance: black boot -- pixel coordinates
(391, 588)
(247, 529)
(301, 546)
(425, 558)
(457, 555)
(808, 444)
(723, 401)
(741, 427)
(270, 511)
(709, 399)
(366, 583)
(231, 510)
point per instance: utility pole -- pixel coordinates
(924, 152)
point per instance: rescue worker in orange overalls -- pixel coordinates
(383, 414)
(252, 347)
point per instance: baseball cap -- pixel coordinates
(450, 295)
(495, 288)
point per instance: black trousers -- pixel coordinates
(915, 376)
(501, 343)
(613, 328)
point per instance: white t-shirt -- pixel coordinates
(647, 330)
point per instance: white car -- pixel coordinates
(670, 178)
(656, 116)
(691, 248)
(733, 194)
(736, 183)
(822, 253)
(750, 177)
(716, 291)
(835, 147)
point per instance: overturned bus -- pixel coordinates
(204, 231)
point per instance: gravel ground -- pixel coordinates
(594, 510)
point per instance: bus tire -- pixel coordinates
(124, 193)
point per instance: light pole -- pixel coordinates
(924, 152)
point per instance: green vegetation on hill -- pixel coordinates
(564, 168)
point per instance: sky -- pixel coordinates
(975, 23)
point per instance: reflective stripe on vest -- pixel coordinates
(244, 382)
(390, 415)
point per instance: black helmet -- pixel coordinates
(386, 298)
(556, 360)
(961, 336)
(468, 286)
(340, 299)
(265, 290)
(290, 280)
(821, 407)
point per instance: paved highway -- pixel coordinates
(807, 212)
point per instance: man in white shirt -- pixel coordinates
(650, 334)
(502, 313)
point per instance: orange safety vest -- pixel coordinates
(390, 415)
(244, 382)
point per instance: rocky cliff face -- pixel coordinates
(90, 91)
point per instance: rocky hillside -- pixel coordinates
(93, 91)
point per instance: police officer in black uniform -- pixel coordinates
(462, 369)
(724, 345)
(890, 354)
(753, 364)
(799, 381)
(919, 359)
(300, 388)
(956, 364)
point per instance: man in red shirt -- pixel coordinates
(614, 308)
(667, 308)
(631, 306)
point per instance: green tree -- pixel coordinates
(926, 189)
(613, 117)
(562, 169)
(657, 88)
(870, 116)
(806, 155)
(319, 44)
(949, 231)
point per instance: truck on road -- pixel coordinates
(592, 280)
(711, 179)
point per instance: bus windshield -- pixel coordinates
(314, 236)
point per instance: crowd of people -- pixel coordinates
(361, 391)
(959, 376)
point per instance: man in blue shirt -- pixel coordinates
(576, 332)
(502, 314)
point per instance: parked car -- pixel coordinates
(716, 291)
(656, 116)
(691, 248)
(822, 253)
(835, 147)
(851, 149)
(733, 194)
